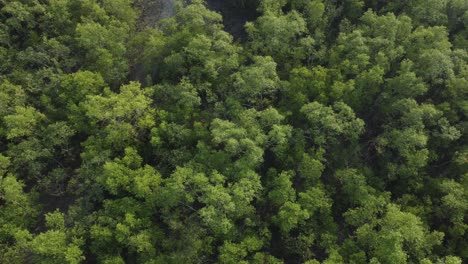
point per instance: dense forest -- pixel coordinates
(242, 131)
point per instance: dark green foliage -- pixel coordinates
(334, 133)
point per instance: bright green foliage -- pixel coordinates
(289, 216)
(128, 229)
(315, 131)
(281, 37)
(103, 49)
(237, 253)
(70, 91)
(10, 97)
(327, 123)
(22, 123)
(281, 189)
(397, 230)
(120, 117)
(431, 47)
(382, 228)
(17, 214)
(192, 44)
(17, 211)
(257, 82)
(220, 203)
(453, 209)
(306, 85)
(409, 140)
(56, 245)
(311, 168)
(121, 9)
(125, 175)
(104, 43)
(454, 203)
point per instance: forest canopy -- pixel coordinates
(327, 131)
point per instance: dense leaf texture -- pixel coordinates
(334, 133)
